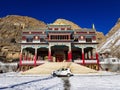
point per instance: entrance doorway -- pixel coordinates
(59, 56)
(59, 53)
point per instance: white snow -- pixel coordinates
(13, 81)
(95, 82)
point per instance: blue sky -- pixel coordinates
(103, 13)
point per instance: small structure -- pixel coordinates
(107, 62)
(58, 43)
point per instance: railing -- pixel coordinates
(32, 62)
(86, 61)
(43, 61)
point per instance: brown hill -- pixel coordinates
(100, 37)
(66, 22)
(11, 27)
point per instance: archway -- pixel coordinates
(89, 53)
(77, 53)
(28, 53)
(59, 53)
(42, 53)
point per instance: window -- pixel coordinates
(29, 39)
(50, 28)
(94, 38)
(88, 40)
(56, 29)
(62, 28)
(59, 37)
(68, 28)
(113, 60)
(23, 38)
(42, 40)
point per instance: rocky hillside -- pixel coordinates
(100, 37)
(112, 41)
(10, 34)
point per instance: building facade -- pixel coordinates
(58, 43)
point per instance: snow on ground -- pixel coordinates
(95, 82)
(13, 81)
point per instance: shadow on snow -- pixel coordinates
(12, 86)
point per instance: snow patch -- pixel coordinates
(15, 81)
(95, 82)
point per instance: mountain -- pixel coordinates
(112, 41)
(66, 22)
(11, 27)
(100, 37)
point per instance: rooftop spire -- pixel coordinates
(93, 26)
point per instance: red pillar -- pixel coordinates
(20, 59)
(83, 58)
(25, 57)
(97, 60)
(35, 57)
(49, 54)
(91, 57)
(69, 56)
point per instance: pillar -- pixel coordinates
(69, 36)
(83, 57)
(91, 53)
(49, 53)
(48, 36)
(20, 57)
(69, 54)
(25, 55)
(97, 59)
(35, 57)
(88, 55)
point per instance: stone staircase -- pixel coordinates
(49, 67)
